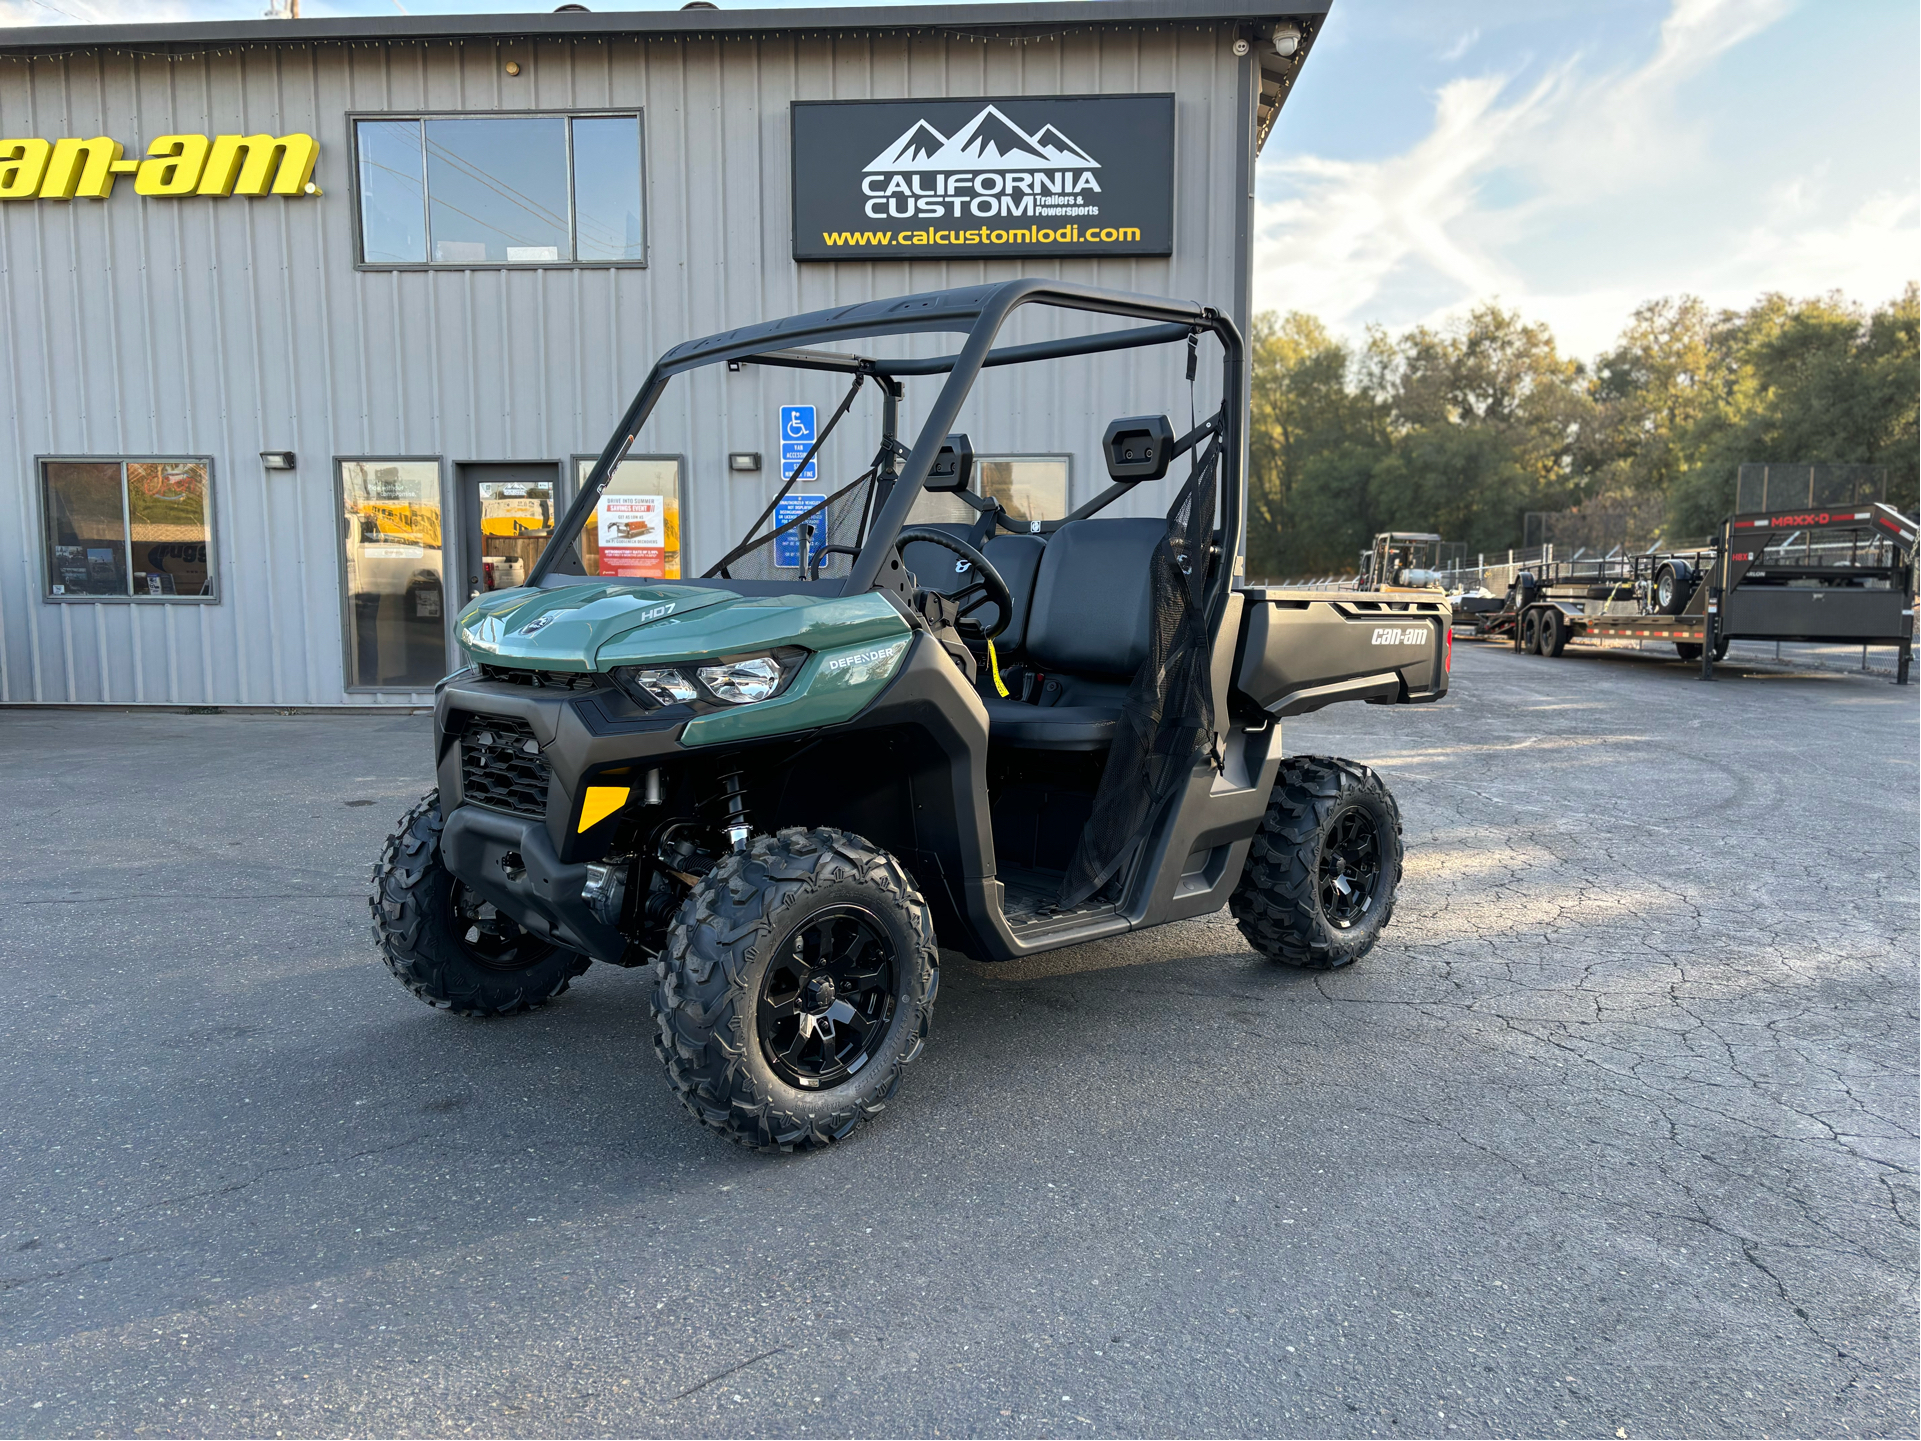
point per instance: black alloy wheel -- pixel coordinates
(491, 940)
(828, 998)
(1318, 888)
(1350, 870)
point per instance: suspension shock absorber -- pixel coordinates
(735, 825)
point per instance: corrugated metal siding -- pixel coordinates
(227, 327)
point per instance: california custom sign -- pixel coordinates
(1015, 175)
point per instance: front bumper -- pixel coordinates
(596, 737)
(510, 861)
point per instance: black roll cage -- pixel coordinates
(980, 312)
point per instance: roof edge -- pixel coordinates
(578, 25)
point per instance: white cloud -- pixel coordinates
(1521, 193)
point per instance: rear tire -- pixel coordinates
(1530, 631)
(747, 955)
(1687, 650)
(1289, 901)
(445, 944)
(1553, 633)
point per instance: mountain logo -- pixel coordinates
(990, 141)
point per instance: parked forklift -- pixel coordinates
(784, 785)
(1845, 575)
(1402, 560)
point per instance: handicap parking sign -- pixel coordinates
(796, 439)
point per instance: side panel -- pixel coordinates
(1303, 650)
(1830, 613)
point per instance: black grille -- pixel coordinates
(543, 679)
(501, 765)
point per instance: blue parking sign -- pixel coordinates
(787, 543)
(796, 439)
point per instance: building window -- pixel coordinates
(394, 577)
(1029, 487)
(635, 530)
(500, 190)
(128, 530)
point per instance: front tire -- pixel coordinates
(448, 946)
(1319, 885)
(797, 984)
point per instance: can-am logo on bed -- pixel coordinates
(1060, 175)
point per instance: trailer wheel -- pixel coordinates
(1554, 632)
(1319, 885)
(1673, 584)
(1691, 650)
(1530, 630)
(797, 982)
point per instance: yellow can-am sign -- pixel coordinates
(176, 165)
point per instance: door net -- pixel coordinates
(1168, 715)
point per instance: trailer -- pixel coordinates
(1840, 575)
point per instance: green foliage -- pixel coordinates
(1464, 429)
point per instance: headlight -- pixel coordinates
(742, 681)
(661, 685)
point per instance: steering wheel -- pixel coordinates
(987, 586)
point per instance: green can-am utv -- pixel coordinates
(777, 785)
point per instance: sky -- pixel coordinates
(1567, 158)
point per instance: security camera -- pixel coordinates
(1287, 39)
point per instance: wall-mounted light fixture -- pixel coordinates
(743, 460)
(276, 459)
(513, 67)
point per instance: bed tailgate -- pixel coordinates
(1303, 649)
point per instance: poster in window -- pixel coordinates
(633, 535)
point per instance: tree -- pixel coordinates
(1462, 429)
(1485, 415)
(1804, 382)
(1650, 392)
(1304, 412)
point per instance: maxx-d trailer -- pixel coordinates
(779, 785)
(1839, 573)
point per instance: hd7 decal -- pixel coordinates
(941, 179)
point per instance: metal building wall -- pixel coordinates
(225, 327)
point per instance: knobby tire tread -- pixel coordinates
(705, 1016)
(410, 929)
(1277, 902)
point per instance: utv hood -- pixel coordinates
(593, 626)
(565, 629)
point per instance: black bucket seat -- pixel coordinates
(1085, 634)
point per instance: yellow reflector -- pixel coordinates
(601, 802)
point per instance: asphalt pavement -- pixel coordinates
(1613, 1135)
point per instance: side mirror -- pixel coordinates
(954, 467)
(1138, 448)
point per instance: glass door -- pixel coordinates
(396, 621)
(508, 514)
